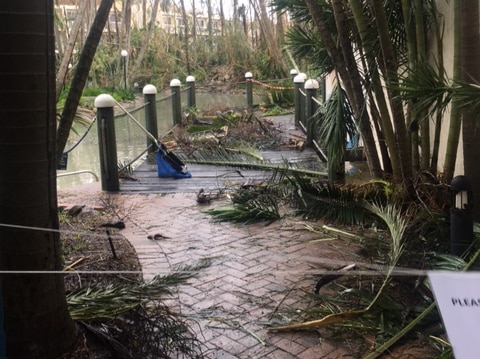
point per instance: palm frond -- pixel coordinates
(341, 204)
(395, 222)
(249, 206)
(427, 88)
(241, 158)
(88, 304)
(335, 123)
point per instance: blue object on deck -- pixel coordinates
(169, 165)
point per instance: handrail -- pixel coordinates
(78, 173)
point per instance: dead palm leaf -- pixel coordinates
(397, 225)
(88, 304)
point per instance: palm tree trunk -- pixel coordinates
(455, 115)
(81, 75)
(194, 22)
(396, 106)
(36, 319)
(146, 40)
(67, 55)
(391, 163)
(421, 57)
(185, 35)
(350, 80)
(210, 23)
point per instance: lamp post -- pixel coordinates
(461, 219)
(124, 54)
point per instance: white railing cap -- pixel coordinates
(104, 100)
(175, 83)
(299, 79)
(149, 89)
(311, 84)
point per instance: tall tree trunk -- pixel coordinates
(146, 40)
(396, 105)
(185, 35)
(144, 13)
(36, 319)
(391, 163)
(126, 30)
(81, 75)
(470, 55)
(194, 22)
(455, 124)
(222, 19)
(351, 83)
(409, 25)
(438, 24)
(67, 55)
(210, 23)
(421, 58)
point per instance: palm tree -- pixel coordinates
(81, 75)
(36, 320)
(67, 54)
(371, 45)
(146, 40)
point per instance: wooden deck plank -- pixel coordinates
(210, 177)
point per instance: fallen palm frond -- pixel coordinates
(396, 224)
(150, 331)
(87, 304)
(332, 275)
(253, 211)
(252, 203)
(317, 199)
(243, 159)
(388, 344)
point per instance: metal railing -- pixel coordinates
(141, 123)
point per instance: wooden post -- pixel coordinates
(299, 81)
(176, 102)
(191, 100)
(293, 73)
(311, 88)
(107, 143)
(248, 79)
(461, 217)
(150, 101)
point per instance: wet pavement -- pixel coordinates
(261, 274)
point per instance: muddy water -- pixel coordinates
(83, 165)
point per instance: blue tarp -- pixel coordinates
(168, 165)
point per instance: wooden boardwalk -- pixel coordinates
(213, 178)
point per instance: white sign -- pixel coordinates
(458, 297)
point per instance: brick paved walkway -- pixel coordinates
(257, 276)
(260, 274)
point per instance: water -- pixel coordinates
(130, 138)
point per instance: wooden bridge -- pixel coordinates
(212, 178)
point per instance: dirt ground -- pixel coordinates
(90, 244)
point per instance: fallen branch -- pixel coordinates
(77, 262)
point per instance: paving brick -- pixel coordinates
(258, 274)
